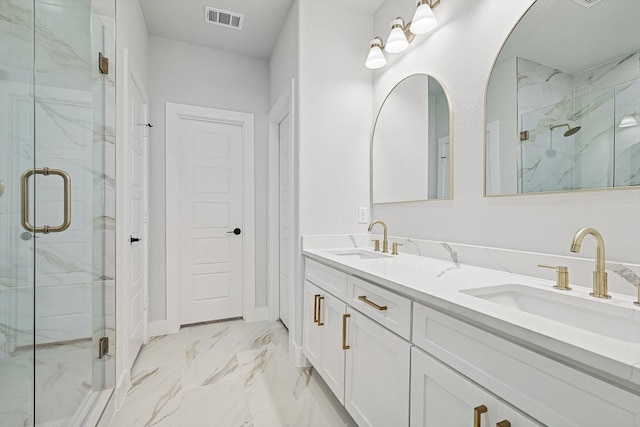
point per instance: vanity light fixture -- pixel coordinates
(397, 41)
(628, 121)
(376, 58)
(401, 35)
(424, 19)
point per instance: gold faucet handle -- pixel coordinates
(376, 245)
(562, 280)
(394, 248)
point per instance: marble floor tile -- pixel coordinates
(226, 374)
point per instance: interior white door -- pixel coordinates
(210, 248)
(284, 221)
(136, 180)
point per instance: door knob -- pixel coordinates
(235, 231)
(133, 240)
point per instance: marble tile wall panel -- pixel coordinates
(623, 277)
(545, 98)
(594, 145)
(62, 46)
(610, 73)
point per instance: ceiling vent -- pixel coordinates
(587, 3)
(223, 18)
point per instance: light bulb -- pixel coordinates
(628, 121)
(424, 20)
(376, 58)
(397, 41)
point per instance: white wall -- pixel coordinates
(460, 54)
(131, 34)
(335, 116)
(283, 63)
(195, 75)
(335, 122)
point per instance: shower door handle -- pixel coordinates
(24, 202)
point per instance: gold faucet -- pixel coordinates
(600, 275)
(385, 242)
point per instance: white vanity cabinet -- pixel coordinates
(377, 374)
(323, 317)
(364, 363)
(442, 397)
(548, 391)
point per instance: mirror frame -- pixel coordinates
(451, 139)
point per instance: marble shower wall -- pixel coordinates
(545, 98)
(601, 154)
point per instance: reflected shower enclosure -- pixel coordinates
(575, 141)
(57, 200)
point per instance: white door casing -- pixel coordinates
(210, 207)
(176, 116)
(135, 215)
(284, 234)
(282, 211)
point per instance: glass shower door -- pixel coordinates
(17, 247)
(56, 228)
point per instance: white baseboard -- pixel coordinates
(122, 388)
(108, 411)
(157, 327)
(297, 355)
(257, 314)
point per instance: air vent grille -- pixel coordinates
(223, 18)
(587, 3)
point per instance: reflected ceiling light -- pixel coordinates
(424, 19)
(401, 35)
(376, 58)
(628, 121)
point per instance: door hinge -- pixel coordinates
(145, 217)
(144, 304)
(103, 64)
(103, 347)
(524, 135)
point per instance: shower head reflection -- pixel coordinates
(570, 131)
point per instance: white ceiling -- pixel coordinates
(184, 20)
(567, 36)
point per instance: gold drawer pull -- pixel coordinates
(344, 331)
(364, 299)
(504, 423)
(477, 413)
(320, 299)
(315, 308)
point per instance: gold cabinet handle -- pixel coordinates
(320, 299)
(504, 423)
(344, 331)
(24, 200)
(364, 299)
(315, 308)
(477, 413)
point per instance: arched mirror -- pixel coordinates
(563, 98)
(411, 144)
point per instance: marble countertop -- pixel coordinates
(442, 284)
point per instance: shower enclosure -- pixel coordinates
(57, 134)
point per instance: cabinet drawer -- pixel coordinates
(549, 391)
(387, 308)
(329, 279)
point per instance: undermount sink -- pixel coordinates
(357, 254)
(600, 317)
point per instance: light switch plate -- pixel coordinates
(363, 215)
